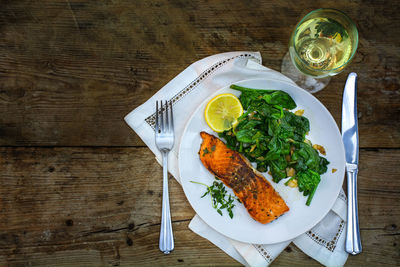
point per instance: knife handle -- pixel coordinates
(353, 239)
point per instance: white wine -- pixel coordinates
(321, 46)
(323, 43)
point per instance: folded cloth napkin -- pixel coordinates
(324, 242)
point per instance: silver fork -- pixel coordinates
(164, 142)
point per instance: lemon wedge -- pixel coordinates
(222, 112)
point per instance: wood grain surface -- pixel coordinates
(79, 188)
(100, 205)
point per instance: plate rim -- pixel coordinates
(323, 214)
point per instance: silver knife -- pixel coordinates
(350, 140)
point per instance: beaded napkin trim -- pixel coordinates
(264, 253)
(329, 244)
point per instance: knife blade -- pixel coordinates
(351, 145)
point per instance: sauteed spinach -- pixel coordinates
(274, 138)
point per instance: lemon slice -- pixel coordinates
(222, 112)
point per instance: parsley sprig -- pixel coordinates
(220, 198)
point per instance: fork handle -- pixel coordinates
(353, 240)
(166, 236)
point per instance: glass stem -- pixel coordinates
(306, 82)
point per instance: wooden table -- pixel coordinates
(78, 187)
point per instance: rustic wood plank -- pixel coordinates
(70, 70)
(101, 206)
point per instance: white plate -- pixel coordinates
(300, 218)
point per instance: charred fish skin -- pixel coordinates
(258, 196)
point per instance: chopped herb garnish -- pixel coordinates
(213, 148)
(220, 198)
(205, 151)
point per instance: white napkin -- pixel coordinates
(324, 242)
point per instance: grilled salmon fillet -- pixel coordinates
(260, 199)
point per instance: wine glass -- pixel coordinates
(323, 43)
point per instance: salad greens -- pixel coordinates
(220, 198)
(271, 136)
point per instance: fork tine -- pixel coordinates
(166, 117)
(172, 117)
(157, 124)
(161, 117)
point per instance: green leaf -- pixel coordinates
(307, 182)
(230, 213)
(205, 193)
(280, 98)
